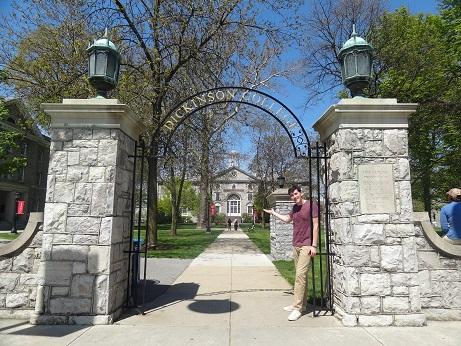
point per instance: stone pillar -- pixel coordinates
(83, 268)
(375, 266)
(281, 233)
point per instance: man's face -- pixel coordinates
(296, 196)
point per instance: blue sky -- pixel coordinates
(295, 97)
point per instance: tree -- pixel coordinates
(10, 143)
(419, 63)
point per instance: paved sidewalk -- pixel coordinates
(230, 295)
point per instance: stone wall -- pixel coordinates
(375, 268)
(439, 280)
(281, 233)
(19, 279)
(86, 226)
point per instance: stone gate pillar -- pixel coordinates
(83, 270)
(375, 265)
(281, 233)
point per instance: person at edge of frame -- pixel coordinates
(450, 217)
(303, 246)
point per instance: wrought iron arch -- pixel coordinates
(241, 95)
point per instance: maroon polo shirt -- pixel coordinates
(301, 216)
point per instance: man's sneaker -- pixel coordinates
(294, 315)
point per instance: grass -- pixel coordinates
(260, 237)
(188, 243)
(9, 236)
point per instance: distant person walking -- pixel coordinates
(229, 223)
(450, 217)
(236, 225)
(305, 239)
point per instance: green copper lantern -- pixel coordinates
(356, 61)
(103, 65)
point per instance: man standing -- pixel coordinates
(450, 217)
(305, 218)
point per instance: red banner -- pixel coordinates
(212, 209)
(20, 205)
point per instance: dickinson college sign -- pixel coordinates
(255, 98)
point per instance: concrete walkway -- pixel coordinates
(230, 295)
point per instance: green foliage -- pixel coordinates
(189, 198)
(247, 218)
(418, 58)
(10, 139)
(219, 219)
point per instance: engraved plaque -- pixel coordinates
(376, 189)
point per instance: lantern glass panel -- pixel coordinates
(349, 65)
(91, 67)
(101, 62)
(111, 66)
(363, 63)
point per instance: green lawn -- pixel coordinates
(9, 236)
(189, 243)
(259, 236)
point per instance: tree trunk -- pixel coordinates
(204, 186)
(152, 194)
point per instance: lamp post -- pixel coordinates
(281, 181)
(356, 61)
(15, 213)
(103, 65)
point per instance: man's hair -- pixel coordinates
(293, 188)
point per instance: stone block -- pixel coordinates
(345, 209)
(97, 175)
(371, 218)
(58, 291)
(445, 275)
(79, 143)
(48, 319)
(431, 302)
(60, 134)
(85, 239)
(24, 262)
(410, 320)
(375, 257)
(83, 192)
(91, 320)
(64, 238)
(414, 294)
(101, 292)
(341, 229)
(29, 280)
(375, 320)
(349, 140)
(58, 163)
(102, 201)
(83, 225)
(55, 217)
(443, 314)
(368, 234)
(98, 259)
(70, 306)
(63, 192)
(391, 258)
(78, 210)
(17, 300)
(79, 267)
(404, 279)
(6, 264)
(400, 290)
(396, 304)
(340, 166)
(399, 230)
(73, 158)
(428, 260)
(403, 169)
(107, 152)
(101, 133)
(8, 282)
(88, 156)
(396, 142)
(56, 273)
(370, 305)
(77, 253)
(345, 191)
(410, 257)
(451, 295)
(424, 281)
(82, 286)
(78, 174)
(378, 284)
(356, 256)
(351, 305)
(83, 134)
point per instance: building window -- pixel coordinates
(233, 205)
(217, 197)
(250, 186)
(250, 209)
(218, 208)
(250, 196)
(233, 186)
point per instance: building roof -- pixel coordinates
(240, 176)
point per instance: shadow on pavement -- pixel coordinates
(52, 331)
(213, 306)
